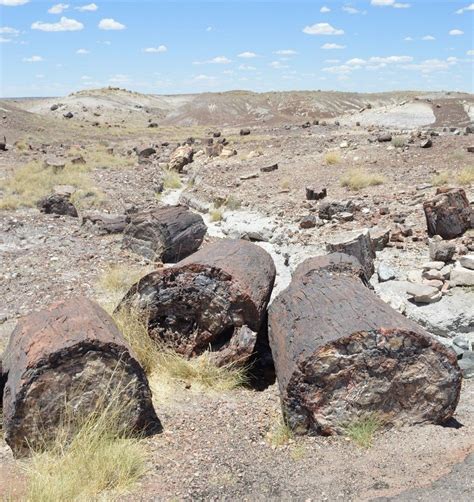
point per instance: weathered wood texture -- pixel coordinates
(340, 352)
(167, 234)
(449, 213)
(69, 355)
(215, 299)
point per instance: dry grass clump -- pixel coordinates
(356, 179)
(33, 181)
(232, 203)
(399, 141)
(362, 431)
(332, 158)
(215, 214)
(285, 184)
(280, 434)
(98, 157)
(90, 458)
(166, 368)
(171, 180)
(441, 178)
(466, 176)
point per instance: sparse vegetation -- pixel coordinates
(171, 180)
(441, 178)
(285, 184)
(356, 179)
(399, 141)
(232, 203)
(99, 157)
(332, 158)
(33, 181)
(90, 458)
(362, 431)
(466, 176)
(215, 214)
(280, 434)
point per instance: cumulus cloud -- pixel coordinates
(456, 32)
(82, 51)
(247, 55)
(4, 40)
(33, 59)
(6, 30)
(324, 9)
(332, 46)
(470, 52)
(428, 37)
(159, 49)
(13, 3)
(246, 67)
(110, 24)
(432, 65)
(390, 3)
(64, 24)
(204, 78)
(90, 7)
(277, 65)
(465, 9)
(408, 39)
(322, 29)
(286, 52)
(58, 8)
(372, 63)
(216, 60)
(352, 10)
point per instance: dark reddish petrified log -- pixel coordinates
(215, 299)
(69, 355)
(340, 352)
(167, 234)
(449, 213)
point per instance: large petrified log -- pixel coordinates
(70, 356)
(340, 353)
(449, 213)
(167, 234)
(215, 299)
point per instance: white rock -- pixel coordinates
(461, 276)
(421, 293)
(436, 265)
(467, 261)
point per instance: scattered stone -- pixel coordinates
(57, 204)
(245, 131)
(355, 243)
(384, 138)
(461, 276)
(328, 209)
(152, 125)
(308, 221)
(415, 276)
(54, 108)
(228, 152)
(466, 363)
(269, 169)
(144, 153)
(432, 275)
(345, 216)
(427, 143)
(380, 237)
(55, 164)
(182, 156)
(441, 251)
(467, 261)
(214, 150)
(313, 193)
(448, 214)
(433, 265)
(79, 160)
(249, 176)
(421, 293)
(68, 115)
(385, 273)
(106, 223)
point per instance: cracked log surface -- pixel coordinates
(215, 299)
(340, 352)
(70, 353)
(167, 234)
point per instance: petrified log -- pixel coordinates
(340, 352)
(449, 213)
(70, 356)
(106, 223)
(167, 234)
(215, 299)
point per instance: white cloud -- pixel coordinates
(428, 37)
(432, 65)
(247, 55)
(408, 39)
(33, 59)
(470, 52)
(465, 9)
(205, 78)
(373, 63)
(456, 32)
(119, 78)
(86, 77)
(324, 9)
(322, 29)
(286, 52)
(332, 46)
(58, 8)
(13, 3)
(82, 51)
(4, 40)
(352, 10)
(216, 60)
(389, 3)
(209, 28)
(64, 24)
(277, 65)
(246, 67)
(159, 49)
(332, 61)
(39, 75)
(110, 24)
(6, 30)
(90, 7)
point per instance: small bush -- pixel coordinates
(215, 214)
(118, 278)
(89, 458)
(171, 180)
(232, 203)
(332, 158)
(398, 141)
(441, 178)
(466, 176)
(33, 181)
(356, 179)
(362, 431)
(280, 434)
(285, 184)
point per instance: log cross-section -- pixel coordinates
(70, 358)
(341, 353)
(216, 299)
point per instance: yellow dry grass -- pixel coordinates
(362, 430)
(356, 179)
(332, 158)
(171, 180)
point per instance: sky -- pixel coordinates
(175, 47)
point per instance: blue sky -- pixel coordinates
(168, 47)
